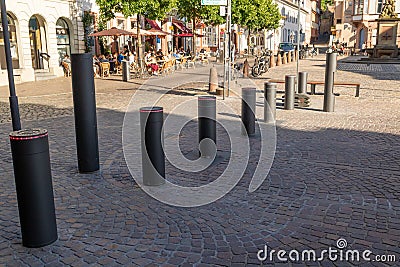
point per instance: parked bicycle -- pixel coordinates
(261, 64)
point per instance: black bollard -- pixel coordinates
(330, 69)
(153, 158)
(289, 92)
(269, 102)
(248, 110)
(302, 83)
(207, 124)
(126, 72)
(85, 112)
(31, 159)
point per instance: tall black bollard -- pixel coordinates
(207, 124)
(289, 92)
(302, 83)
(85, 112)
(30, 152)
(269, 102)
(126, 72)
(330, 69)
(248, 110)
(153, 157)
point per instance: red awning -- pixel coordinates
(187, 35)
(153, 24)
(181, 27)
(158, 32)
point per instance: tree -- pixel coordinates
(194, 12)
(256, 14)
(152, 9)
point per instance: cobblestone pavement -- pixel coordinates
(335, 175)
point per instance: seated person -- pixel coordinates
(177, 56)
(159, 54)
(96, 66)
(120, 57)
(67, 60)
(151, 62)
(102, 58)
(66, 64)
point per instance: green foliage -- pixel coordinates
(153, 9)
(325, 3)
(256, 14)
(192, 9)
(87, 21)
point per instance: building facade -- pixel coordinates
(41, 33)
(345, 31)
(365, 14)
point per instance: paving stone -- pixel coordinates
(334, 175)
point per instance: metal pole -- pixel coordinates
(269, 102)
(289, 92)
(207, 131)
(84, 97)
(329, 97)
(152, 139)
(298, 45)
(248, 110)
(16, 122)
(126, 73)
(302, 83)
(31, 160)
(229, 44)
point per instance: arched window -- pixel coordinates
(13, 44)
(63, 38)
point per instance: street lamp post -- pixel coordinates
(16, 122)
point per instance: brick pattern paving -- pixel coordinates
(335, 175)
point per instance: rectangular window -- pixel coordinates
(379, 6)
(210, 36)
(121, 24)
(339, 21)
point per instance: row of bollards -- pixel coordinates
(31, 158)
(151, 124)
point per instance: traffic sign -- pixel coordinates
(214, 2)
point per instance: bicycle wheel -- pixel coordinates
(255, 71)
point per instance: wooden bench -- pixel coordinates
(314, 84)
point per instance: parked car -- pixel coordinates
(285, 47)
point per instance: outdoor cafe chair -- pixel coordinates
(105, 69)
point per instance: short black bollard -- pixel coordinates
(289, 92)
(126, 72)
(302, 83)
(269, 102)
(31, 159)
(85, 112)
(330, 69)
(248, 110)
(207, 125)
(153, 157)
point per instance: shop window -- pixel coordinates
(13, 44)
(63, 38)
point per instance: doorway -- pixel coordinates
(362, 39)
(37, 36)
